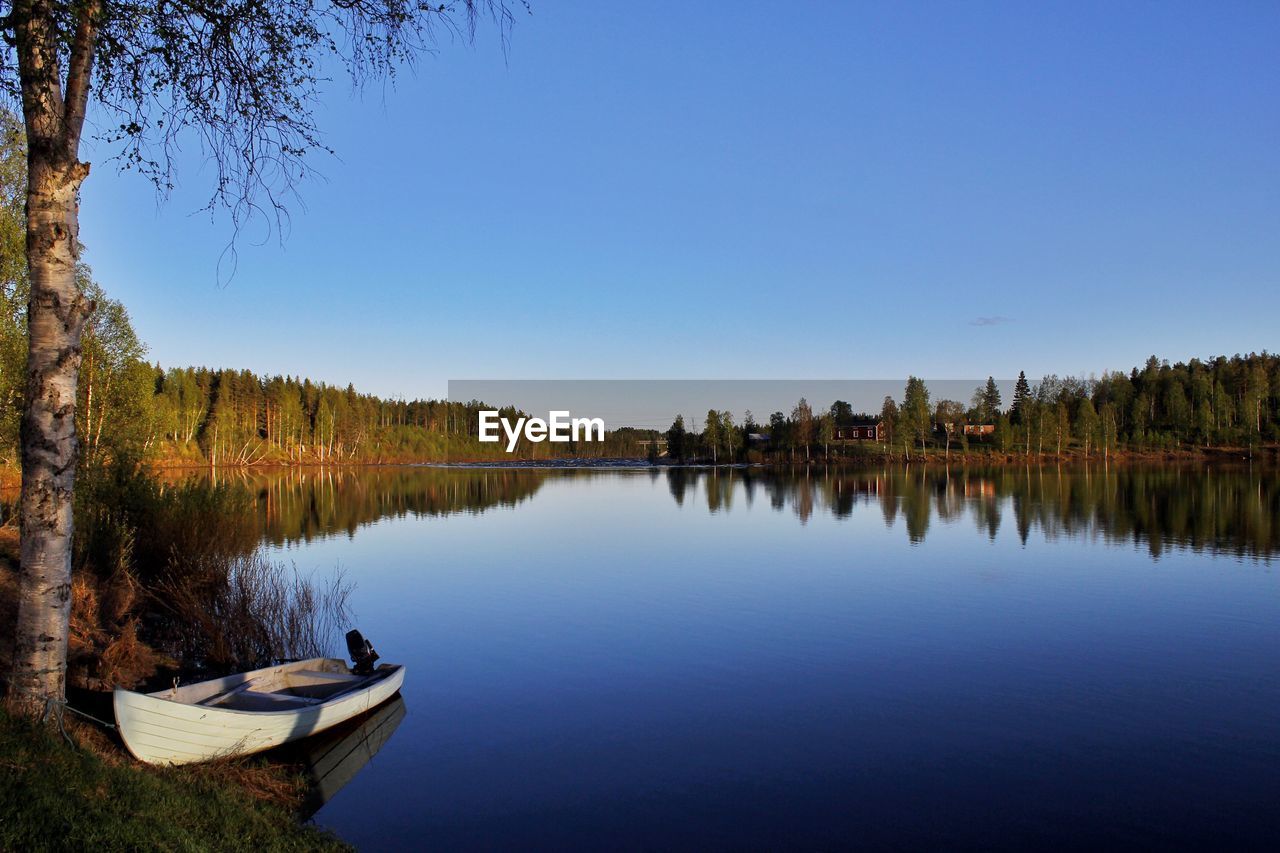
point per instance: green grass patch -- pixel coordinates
(55, 797)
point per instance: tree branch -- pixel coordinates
(79, 71)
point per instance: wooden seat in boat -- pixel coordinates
(325, 676)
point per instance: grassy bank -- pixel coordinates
(55, 797)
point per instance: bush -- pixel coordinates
(171, 577)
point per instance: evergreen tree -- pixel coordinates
(1021, 394)
(990, 402)
(676, 444)
(779, 431)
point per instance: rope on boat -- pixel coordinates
(80, 713)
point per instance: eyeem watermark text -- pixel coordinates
(558, 427)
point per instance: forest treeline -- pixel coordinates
(236, 417)
(1222, 402)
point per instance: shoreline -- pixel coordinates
(1267, 455)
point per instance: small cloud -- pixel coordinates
(990, 321)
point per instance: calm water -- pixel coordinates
(889, 658)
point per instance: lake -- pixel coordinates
(734, 658)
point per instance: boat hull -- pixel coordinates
(160, 730)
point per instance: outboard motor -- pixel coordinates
(362, 653)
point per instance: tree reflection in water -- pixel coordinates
(1219, 510)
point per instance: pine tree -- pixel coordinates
(990, 401)
(675, 439)
(1021, 394)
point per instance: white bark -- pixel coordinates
(55, 320)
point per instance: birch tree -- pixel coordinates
(802, 416)
(827, 432)
(1061, 425)
(915, 409)
(239, 79)
(727, 431)
(950, 415)
(113, 377)
(1086, 424)
(1108, 429)
(711, 434)
(888, 419)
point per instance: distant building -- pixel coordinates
(659, 445)
(861, 430)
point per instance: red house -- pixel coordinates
(861, 430)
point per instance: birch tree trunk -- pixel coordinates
(102, 418)
(88, 398)
(49, 448)
(55, 319)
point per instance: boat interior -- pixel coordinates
(286, 687)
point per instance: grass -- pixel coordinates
(56, 797)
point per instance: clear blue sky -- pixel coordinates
(753, 190)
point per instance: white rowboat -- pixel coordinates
(249, 711)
